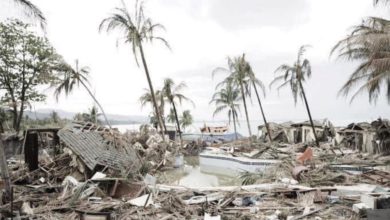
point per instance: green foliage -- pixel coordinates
(135, 27)
(227, 98)
(171, 92)
(171, 116)
(71, 78)
(91, 116)
(294, 75)
(369, 44)
(32, 11)
(186, 119)
(241, 76)
(27, 62)
(147, 98)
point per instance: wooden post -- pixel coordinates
(31, 150)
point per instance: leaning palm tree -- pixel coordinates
(369, 44)
(258, 83)
(32, 11)
(238, 76)
(186, 119)
(72, 77)
(136, 29)
(171, 92)
(294, 76)
(228, 98)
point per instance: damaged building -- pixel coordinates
(366, 137)
(294, 133)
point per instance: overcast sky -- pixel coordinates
(202, 34)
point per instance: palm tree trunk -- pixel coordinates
(151, 90)
(97, 103)
(262, 113)
(246, 112)
(308, 112)
(234, 123)
(177, 122)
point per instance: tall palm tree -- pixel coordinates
(294, 76)
(147, 98)
(171, 92)
(72, 77)
(136, 30)
(238, 76)
(228, 98)
(368, 43)
(32, 11)
(186, 119)
(258, 83)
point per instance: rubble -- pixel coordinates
(84, 171)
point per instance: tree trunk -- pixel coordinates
(97, 103)
(20, 115)
(177, 122)
(235, 128)
(4, 171)
(262, 113)
(308, 112)
(14, 116)
(246, 112)
(163, 119)
(151, 90)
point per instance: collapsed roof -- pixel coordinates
(87, 142)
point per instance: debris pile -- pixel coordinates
(85, 171)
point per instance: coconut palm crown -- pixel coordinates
(369, 44)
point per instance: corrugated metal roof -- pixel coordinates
(89, 146)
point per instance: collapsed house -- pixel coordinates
(357, 136)
(367, 137)
(87, 143)
(294, 133)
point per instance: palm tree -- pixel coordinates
(74, 77)
(171, 92)
(186, 119)
(238, 76)
(147, 98)
(228, 98)
(294, 76)
(257, 83)
(368, 43)
(32, 11)
(93, 115)
(136, 29)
